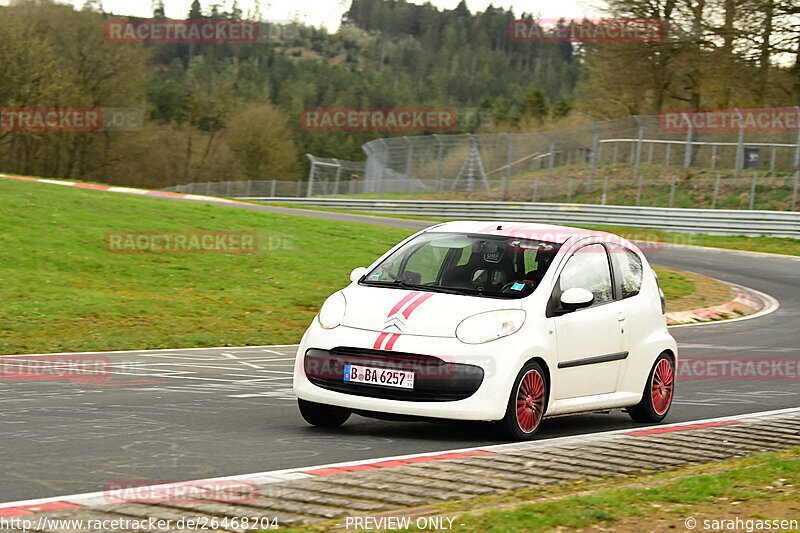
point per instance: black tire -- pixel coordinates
(319, 414)
(658, 392)
(527, 403)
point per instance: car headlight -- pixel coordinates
(332, 311)
(485, 327)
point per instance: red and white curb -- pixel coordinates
(748, 304)
(74, 501)
(127, 190)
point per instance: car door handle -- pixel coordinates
(621, 318)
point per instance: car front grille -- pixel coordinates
(435, 380)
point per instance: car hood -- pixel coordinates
(414, 312)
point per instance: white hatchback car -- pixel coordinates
(492, 321)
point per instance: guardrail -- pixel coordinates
(705, 221)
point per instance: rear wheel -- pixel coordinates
(319, 414)
(527, 402)
(657, 395)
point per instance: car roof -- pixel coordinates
(523, 230)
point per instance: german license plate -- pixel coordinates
(379, 376)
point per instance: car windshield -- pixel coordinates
(470, 264)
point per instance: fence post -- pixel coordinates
(383, 167)
(439, 157)
(739, 146)
(753, 191)
(595, 143)
(310, 175)
(338, 175)
(299, 188)
(249, 184)
(672, 190)
(667, 154)
(535, 189)
(650, 146)
(796, 165)
(605, 189)
(272, 189)
(569, 190)
(508, 167)
(228, 189)
(772, 159)
(636, 174)
(409, 160)
(550, 161)
(616, 152)
(687, 153)
(409, 157)
(716, 193)
(713, 156)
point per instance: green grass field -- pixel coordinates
(62, 290)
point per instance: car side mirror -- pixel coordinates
(576, 298)
(357, 273)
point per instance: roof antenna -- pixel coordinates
(499, 228)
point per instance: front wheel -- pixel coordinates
(657, 395)
(527, 402)
(319, 414)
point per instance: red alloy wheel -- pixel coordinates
(530, 401)
(662, 387)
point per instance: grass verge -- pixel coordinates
(759, 487)
(686, 291)
(61, 290)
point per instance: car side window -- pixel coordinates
(588, 268)
(630, 271)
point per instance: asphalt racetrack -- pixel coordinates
(186, 414)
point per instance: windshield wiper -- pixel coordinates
(393, 283)
(461, 291)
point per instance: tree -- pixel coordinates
(159, 10)
(195, 11)
(262, 142)
(535, 104)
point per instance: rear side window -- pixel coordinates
(630, 271)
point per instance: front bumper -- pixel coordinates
(463, 382)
